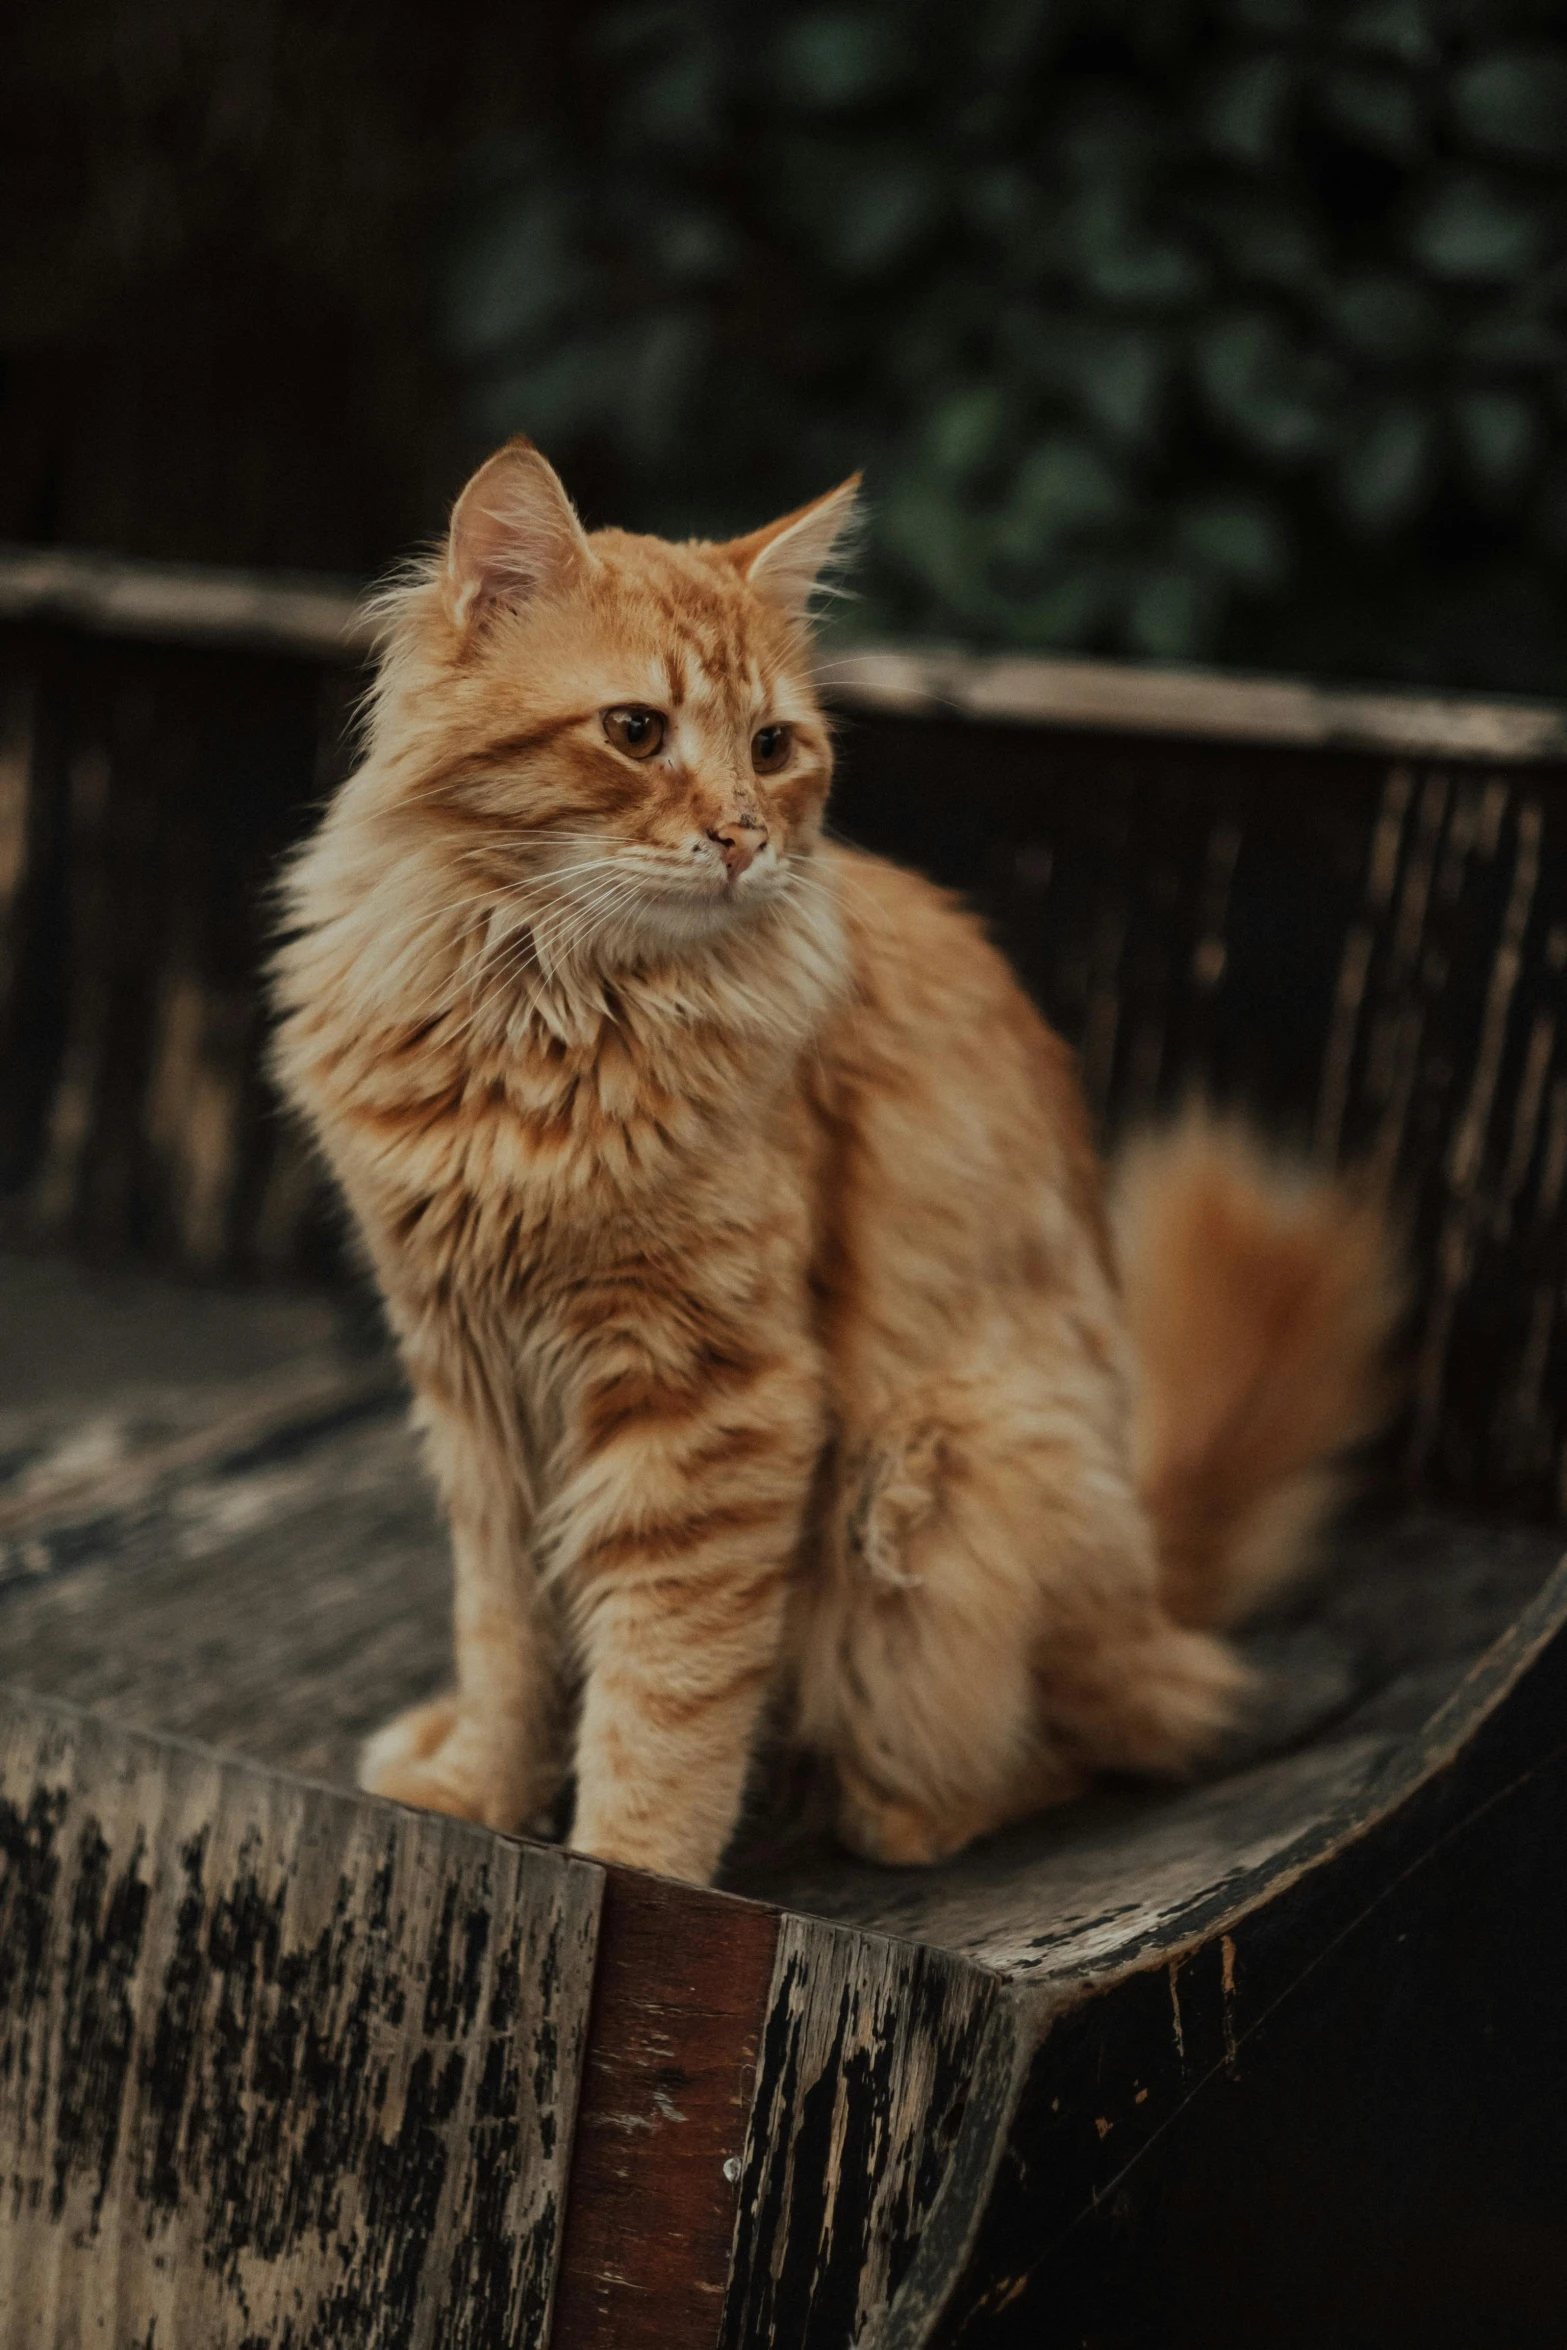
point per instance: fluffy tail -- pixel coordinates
(1261, 1300)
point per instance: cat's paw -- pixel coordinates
(437, 1758)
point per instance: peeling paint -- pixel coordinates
(1227, 1998)
(270, 2057)
(861, 2085)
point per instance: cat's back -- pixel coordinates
(958, 1161)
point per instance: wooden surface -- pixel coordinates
(934, 2156)
(1352, 1675)
(905, 2072)
(1324, 2107)
(682, 1998)
(280, 1599)
(859, 2098)
(277, 1599)
(277, 2066)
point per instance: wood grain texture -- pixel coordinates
(280, 1609)
(860, 2094)
(277, 2066)
(59, 1497)
(678, 2013)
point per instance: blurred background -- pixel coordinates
(1231, 332)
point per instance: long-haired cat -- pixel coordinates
(739, 1222)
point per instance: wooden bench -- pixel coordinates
(1274, 2059)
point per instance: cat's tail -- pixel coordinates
(1261, 1300)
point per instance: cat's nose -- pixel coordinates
(739, 841)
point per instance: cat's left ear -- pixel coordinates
(514, 536)
(786, 561)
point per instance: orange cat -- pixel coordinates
(739, 1223)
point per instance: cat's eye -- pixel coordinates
(637, 732)
(770, 748)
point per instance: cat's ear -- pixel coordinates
(786, 561)
(514, 536)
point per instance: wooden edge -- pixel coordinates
(322, 620)
(172, 603)
(1119, 697)
(863, 2087)
(1209, 1939)
(679, 2006)
(999, 2073)
(1414, 1763)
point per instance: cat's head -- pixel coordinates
(624, 731)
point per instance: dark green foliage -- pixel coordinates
(1232, 331)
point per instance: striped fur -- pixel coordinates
(740, 1229)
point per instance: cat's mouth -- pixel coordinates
(633, 904)
(718, 893)
(693, 904)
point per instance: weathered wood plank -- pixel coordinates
(277, 2066)
(678, 2013)
(320, 618)
(1120, 697)
(860, 2093)
(323, 619)
(280, 1608)
(117, 1463)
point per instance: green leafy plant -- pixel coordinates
(1231, 332)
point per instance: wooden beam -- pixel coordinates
(170, 603)
(679, 2010)
(1118, 697)
(326, 620)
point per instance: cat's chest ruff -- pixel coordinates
(610, 1121)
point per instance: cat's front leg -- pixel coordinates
(486, 1749)
(682, 1538)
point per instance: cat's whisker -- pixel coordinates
(426, 917)
(563, 938)
(581, 888)
(578, 886)
(578, 882)
(547, 939)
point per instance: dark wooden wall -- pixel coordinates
(1367, 955)
(147, 794)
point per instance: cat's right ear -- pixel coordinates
(514, 536)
